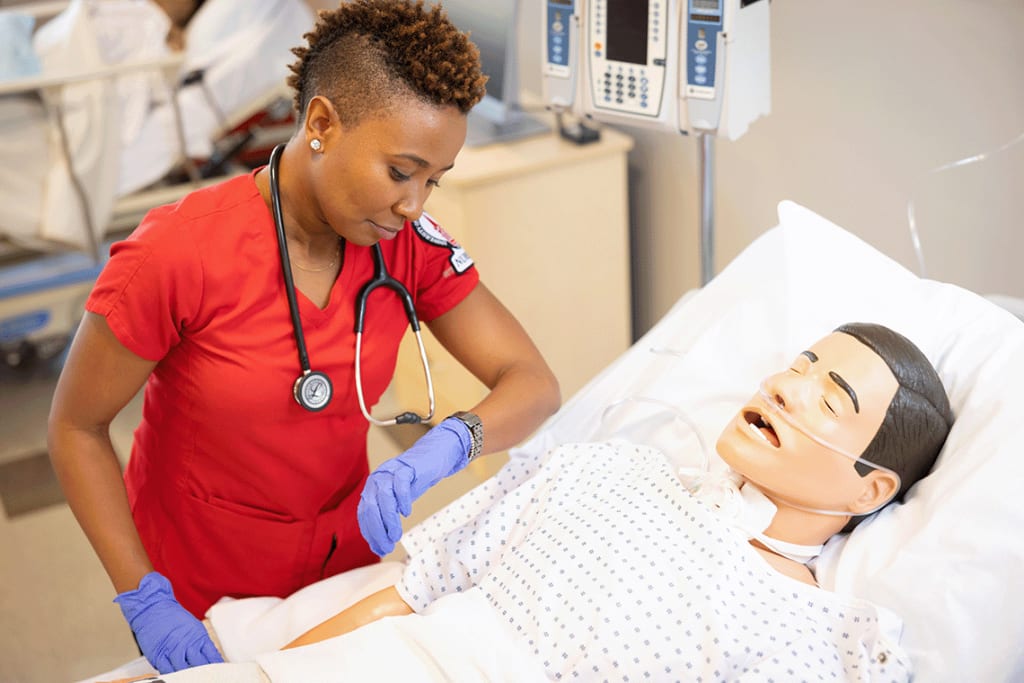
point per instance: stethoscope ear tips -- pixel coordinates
(313, 390)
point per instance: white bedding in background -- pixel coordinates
(244, 50)
(32, 154)
(122, 135)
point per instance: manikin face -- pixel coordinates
(374, 176)
(839, 391)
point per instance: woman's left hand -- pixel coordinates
(392, 487)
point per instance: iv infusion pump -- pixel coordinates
(690, 66)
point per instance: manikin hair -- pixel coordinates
(918, 419)
(366, 55)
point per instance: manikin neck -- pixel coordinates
(782, 535)
(790, 532)
(795, 525)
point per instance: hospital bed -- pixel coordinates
(113, 123)
(946, 560)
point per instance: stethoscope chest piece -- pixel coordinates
(313, 390)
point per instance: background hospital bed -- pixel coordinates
(946, 560)
(95, 140)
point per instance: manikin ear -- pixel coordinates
(878, 488)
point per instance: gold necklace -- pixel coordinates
(329, 266)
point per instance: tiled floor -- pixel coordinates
(57, 621)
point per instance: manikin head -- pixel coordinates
(863, 390)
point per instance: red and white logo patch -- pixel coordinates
(432, 233)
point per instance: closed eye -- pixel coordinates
(401, 177)
(829, 406)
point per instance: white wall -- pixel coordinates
(867, 98)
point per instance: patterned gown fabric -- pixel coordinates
(606, 568)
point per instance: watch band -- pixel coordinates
(476, 431)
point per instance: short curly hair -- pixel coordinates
(366, 53)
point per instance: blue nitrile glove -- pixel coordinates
(170, 637)
(393, 486)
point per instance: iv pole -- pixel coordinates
(706, 170)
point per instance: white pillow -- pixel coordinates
(947, 560)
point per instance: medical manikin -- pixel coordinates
(603, 561)
(847, 428)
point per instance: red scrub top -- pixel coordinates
(236, 489)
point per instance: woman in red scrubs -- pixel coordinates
(233, 488)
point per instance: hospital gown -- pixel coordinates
(604, 566)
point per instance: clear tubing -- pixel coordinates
(791, 421)
(915, 236)
(677, 414)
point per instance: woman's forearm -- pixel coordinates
(90, 476)
(99, 378)
(384, 603)
(507, 416)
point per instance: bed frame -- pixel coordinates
(42, 289)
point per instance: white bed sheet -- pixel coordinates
(946, 560)
(434, 646)
(244, 50)
(52, 213)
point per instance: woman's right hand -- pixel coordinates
(168, 635)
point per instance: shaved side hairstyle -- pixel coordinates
(918, 418)
(367, 54)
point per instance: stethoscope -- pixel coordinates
(313, 389)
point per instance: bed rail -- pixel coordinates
(49, 87)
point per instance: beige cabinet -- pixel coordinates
(546, 222)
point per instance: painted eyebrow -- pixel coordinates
(844, 385)
(422, 163)
(811, 355)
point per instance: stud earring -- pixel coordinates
(315, 144)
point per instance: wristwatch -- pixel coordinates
(476, 431)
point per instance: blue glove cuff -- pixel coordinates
(153, 588)
(460, 430)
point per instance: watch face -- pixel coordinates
(313, 391)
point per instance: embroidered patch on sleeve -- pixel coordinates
(432, 233)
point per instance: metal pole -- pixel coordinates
(706, 164)
(170, 76)
(55, 106)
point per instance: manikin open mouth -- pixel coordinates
(762, 427)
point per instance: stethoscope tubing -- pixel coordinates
(381, 278)
(282, 245)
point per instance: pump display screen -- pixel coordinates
(713, 5)
(627, 31)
